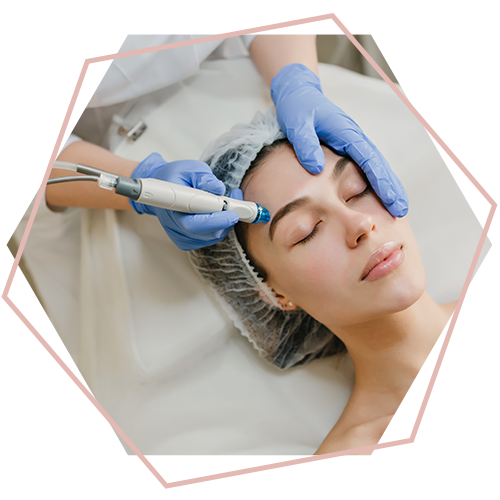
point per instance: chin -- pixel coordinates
(408, 283)
(407, 295)
(404, 292)
(396, 294)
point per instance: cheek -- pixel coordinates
(313, 279)
(416, 271)
(327, 267)
(325, 291)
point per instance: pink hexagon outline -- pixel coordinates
(211, 477)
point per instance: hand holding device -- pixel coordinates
(192, 218)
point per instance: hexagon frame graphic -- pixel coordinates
(454, 318)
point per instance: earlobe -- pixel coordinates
(285, 304)
(288, 306)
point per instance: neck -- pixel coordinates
(388, 352)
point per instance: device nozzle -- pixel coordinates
(262, 215)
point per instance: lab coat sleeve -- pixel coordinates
(26, 138)
(247, 39)
(236, 46)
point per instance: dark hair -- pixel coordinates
(241, 228)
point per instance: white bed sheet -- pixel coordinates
(153, 344)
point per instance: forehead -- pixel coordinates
(281, 178)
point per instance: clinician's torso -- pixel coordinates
(48, 67)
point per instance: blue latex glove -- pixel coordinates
(306, 116)
(187, 231)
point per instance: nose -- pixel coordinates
(359, 226)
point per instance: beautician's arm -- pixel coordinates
(88, 194)
(270, 53)
(188, 232)
(289, 64)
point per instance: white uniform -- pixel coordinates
(41, 73)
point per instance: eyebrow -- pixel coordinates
(305, 200)
(340, 166)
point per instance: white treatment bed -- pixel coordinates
(151, 341)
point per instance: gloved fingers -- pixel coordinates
(187, 242)
(190, 166)
(208, 182)
(399, 207)
(380, 175)
(205, 226)
(236, 194)
(148, 166)
(225, 233)
(184, 172)
(141, 208)
(307, 148)
(374, 168)
(339, 138)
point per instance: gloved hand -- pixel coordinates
(187, 231)
(306, 116)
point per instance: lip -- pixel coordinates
(383, 261)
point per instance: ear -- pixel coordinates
(285, 303)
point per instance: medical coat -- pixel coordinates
(41, 74)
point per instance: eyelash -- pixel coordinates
(363, 193)
(310, 236)
(313, 233)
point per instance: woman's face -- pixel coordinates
(326, 234)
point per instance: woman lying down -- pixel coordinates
(333, 271)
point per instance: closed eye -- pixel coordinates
(310, 236)
(314, 232)
(367, 191)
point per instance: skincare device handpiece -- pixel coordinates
(185, 199)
